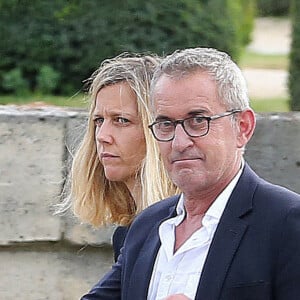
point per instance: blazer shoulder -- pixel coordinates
(278, 195)
(264, 187)
(156, 212)
(253, 191)
(161, 207)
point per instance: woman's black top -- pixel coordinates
(118, 240)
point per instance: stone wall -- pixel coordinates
(45, 256)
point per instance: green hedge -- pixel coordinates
(55, 45)
(273, 7)
(294, 69)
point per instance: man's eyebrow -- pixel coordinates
(162, 118)
(191, 113)
(197, 112)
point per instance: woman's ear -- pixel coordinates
(246, 122)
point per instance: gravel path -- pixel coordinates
(270, 36)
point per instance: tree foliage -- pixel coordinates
(71, 38)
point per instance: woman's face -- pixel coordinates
(119, 134)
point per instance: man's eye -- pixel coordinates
(98, 121)
(197, 120)
(165, 125)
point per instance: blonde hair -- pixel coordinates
(93, 198)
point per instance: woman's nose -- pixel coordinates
(104, 133)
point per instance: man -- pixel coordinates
(230, 234)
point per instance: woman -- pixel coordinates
(116, 172)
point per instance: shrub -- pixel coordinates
(294, 68)
(273, 7)
(14, 82)
(73, 37)
(47, 80)
(247, 14)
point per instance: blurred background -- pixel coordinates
(48, 48)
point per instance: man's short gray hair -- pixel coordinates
(231, 84)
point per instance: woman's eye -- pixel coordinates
(98, 121)
(121, 120)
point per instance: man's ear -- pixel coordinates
(246, 122)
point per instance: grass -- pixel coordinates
(259, 105)
(78, 101)
(264, 61)
(270, 105)
(36, 100)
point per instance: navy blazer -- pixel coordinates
(255, 252)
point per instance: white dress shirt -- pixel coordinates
(179, 272)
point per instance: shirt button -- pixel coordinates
(169, 277)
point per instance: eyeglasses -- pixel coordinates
(197, 126)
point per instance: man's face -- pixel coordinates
(203, 163)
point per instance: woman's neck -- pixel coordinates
(135, 189)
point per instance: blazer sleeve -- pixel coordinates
(108, 288)
(288, 264)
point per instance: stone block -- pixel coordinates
(274, 150)
(51, 272)
(78, 233)
(31, 151)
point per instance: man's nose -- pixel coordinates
(181, 139)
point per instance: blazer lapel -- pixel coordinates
(224, 245)
(142, 270)
(227, 238)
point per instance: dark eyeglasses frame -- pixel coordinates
(181, 122)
